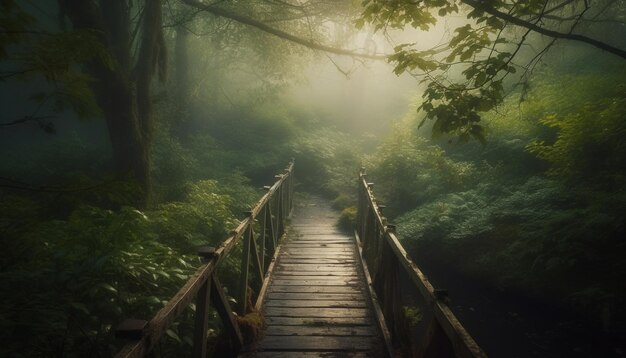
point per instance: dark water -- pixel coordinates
(509, 325)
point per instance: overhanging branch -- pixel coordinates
(217, 11)
(551, 33)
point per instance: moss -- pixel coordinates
(251, 326)
(342, 201)
(347, 219)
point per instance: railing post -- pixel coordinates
(202, 320)
(204, 287)
(384, 256)
(262, 227)
(245, 267)
(279, 211)
(228, 320)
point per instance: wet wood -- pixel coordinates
(317, 289)
(316, 312)
(318, 296)
(319, 321)
(275, 354)
(316, 302)
(331, 281)
(294, 272)
(278, 330)
(325, 343)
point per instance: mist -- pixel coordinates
(133, 135)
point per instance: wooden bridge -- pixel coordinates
(320, 292)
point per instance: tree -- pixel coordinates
(122, 88)
(116, 48)
(487, 48)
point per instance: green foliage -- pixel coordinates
(410, 170)
(556, 236)
(342, 201)
(413, 315)
(347, 219)
(55, 57)
(87, 273)
(465, 73)
(68, 282)
(327, 161)
(590, 143)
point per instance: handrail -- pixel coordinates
(383, 255)
(270, 212)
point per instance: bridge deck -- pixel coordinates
(317, 302)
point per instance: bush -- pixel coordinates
(81, 276)
(347, 219)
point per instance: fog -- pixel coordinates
(131, 142)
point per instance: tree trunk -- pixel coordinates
(129, 127)
(182, 65)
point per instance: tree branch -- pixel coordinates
(26, 119)
(276, 32)
(551, 33)
(11, 184)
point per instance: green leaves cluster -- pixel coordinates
(55, 57)
(411, 170)
(590, 142)
(541, 206)
(397, 14)
(71, 281)
(52, 58)
(14, 23)
(476, 49)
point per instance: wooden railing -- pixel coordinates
(444, 336)
(261, 232)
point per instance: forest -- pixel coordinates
(134, 131)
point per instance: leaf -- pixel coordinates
(480, 79)
(153, 299)
(107, 287)
(173, 335)
(477, 132)
(80, 307)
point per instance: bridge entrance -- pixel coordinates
(317, 302)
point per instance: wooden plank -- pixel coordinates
(318, 253)
(317, 289)
(336, 257)
(323, 282)
(316, 303)
(315, 266)
(296, 272)
(300, 354)
(288, 250)
(310, 297)
(318, 321)
(277, 330)
(325, 343)
(319, 245)
(335, 264)
(316, 312)
(310, 238)
(318, 237)
(307, 278)
(313, 261)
